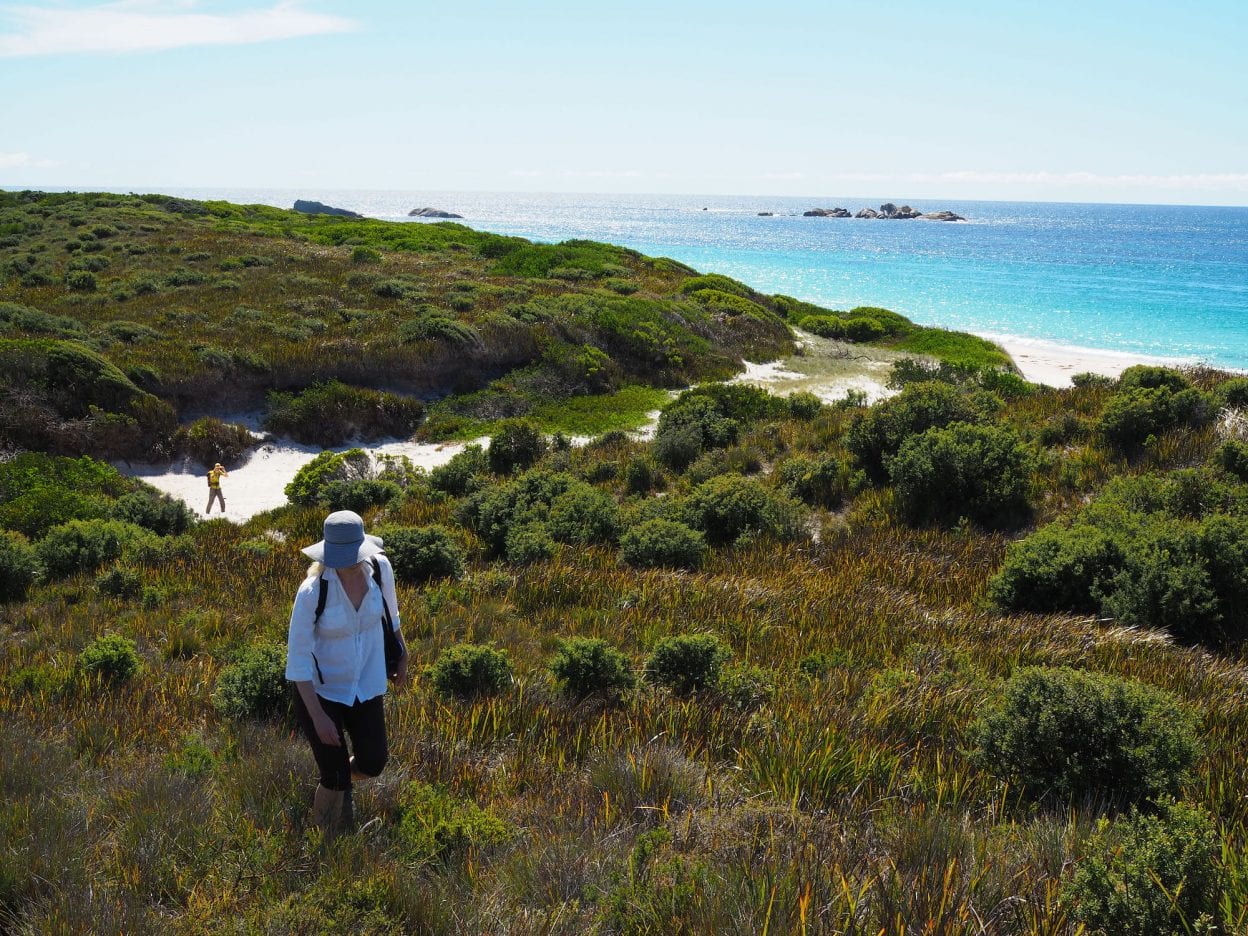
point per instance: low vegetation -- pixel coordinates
(970, 660)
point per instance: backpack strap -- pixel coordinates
(322, 594)
(385, 605)
(320, 598)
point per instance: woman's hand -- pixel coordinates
(400, 673)
(326, 730)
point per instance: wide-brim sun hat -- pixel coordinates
(345, 541)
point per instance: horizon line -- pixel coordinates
(163, 190)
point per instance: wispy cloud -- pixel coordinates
(1184, 181)
(25, 161)
(152, 25)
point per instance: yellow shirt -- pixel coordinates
(214, 477)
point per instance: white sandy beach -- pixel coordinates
(1054, 364)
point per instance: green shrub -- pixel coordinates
(662, 543)
(1133, 415)
(154, 511)
(80, 280)
(19, 566)
(1151, 377)
(746, 688)
(423, 553)
(359, 494)
(253, 684)
(39, 491)
(463, 474)
(689, 426)
(467, 671)
(1189, 578)
(589, 666)
(1232, 456)
(111, 658)
(729, 507)
(515, 445)
(877, 434)
(582, 515)
(979, 472)
(333, 413)
(310, 480)
(1149, 874)
(495, 511)
(363, 254)
(642, 475)
(435, 326)
(435, 827)
(804, 406)
(209, 440)
(528, 543)
(825, 326)
(120, 582)
(1056, 569)
(1232, 393)
(1072, 733)
(687, 663)
(864, 328)
(85, 545)
(820, 481)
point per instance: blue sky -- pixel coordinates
(1019, 99)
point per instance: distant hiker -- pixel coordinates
(214, 486)
(336, 655)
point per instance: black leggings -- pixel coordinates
(364, 723)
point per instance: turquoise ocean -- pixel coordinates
(1159, 280)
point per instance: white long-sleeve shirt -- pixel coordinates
(343, 654)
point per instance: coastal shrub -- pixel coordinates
(583, 515)
(152, 510)
(359, 495)
(110, 658)
(434, 326)
(80, 280)
(1057, 568)
(1189, 578)
(463, 474)
(362, 254)
(39, 491)
(746, 688)
(21, 320)
(253, 684)
(311, 479)
(729, 507)
(515, 445)
(468, 671)
(642, 475)
(1070, 733)
(436, 827)
(863, 328)
(979, 472)
(662, 543)
(120, 582)
(333, 413)
(1133, 415)
(85, 545)
(689, 426)
(528, 543)
(1232, 393)
(1232, 456)
(820, 480)
(718, 282)
(825, 326)
(19, 566)
(877, 434)
(1149, 874)
(589, 666)
(804, 406)
(492, 512)
(210, 440)
(1151, 377)
(687, 663)
(420, 554)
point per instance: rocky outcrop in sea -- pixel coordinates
(888, 211)
(315, 207)
(431, 213)
(827, 213)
